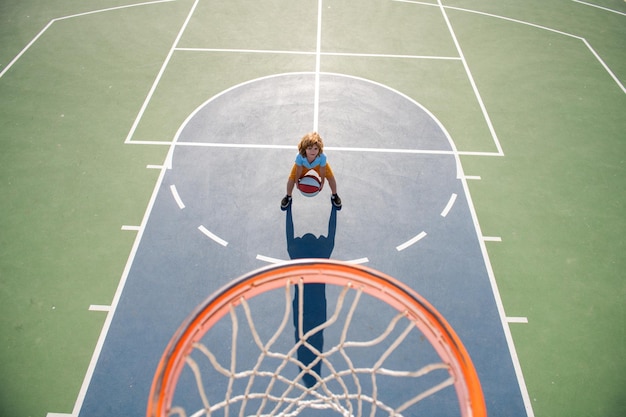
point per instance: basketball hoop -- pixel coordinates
(412, 363)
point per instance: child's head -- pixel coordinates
(310, 139)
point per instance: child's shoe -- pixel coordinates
(285, 203)
(336, 201)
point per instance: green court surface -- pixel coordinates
(92, 94)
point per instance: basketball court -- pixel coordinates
(394, 97)
(213, 220)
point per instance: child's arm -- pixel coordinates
(298, 172)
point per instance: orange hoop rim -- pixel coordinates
(374, 283)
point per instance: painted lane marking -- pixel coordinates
(492, 239)
(339, 54)
(150, 166)
(358, 261)
(179, 201)
(517, 319)
(96, 307)
(448, 207)
(58, 19)
(318, 49)
(599, 7)
(212, 236)
(132, 228)
(411, 241)
(270, 260)
(472, 177)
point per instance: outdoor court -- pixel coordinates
(442, 127)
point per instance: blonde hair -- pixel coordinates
(310, 139)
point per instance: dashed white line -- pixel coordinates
(517, 319)
(358, 261)
(132, 228)
(599, 7)
(179, 201)
(212, 235)
(270, 260)
(411, 242)
(96, 307)
(448, 207)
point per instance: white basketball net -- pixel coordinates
(227, 380)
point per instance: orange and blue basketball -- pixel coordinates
(309, 185)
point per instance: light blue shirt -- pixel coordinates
(303, 162)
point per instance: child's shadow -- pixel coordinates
(314, 295)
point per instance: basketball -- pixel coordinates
(309, 185)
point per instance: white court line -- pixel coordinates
(116, 298)
(280, 261)
(270, 260)
(606, 67)
(358, 261)
(96, 307)
(411, 241)
(179, 201)
(329, 148)
(599, 7)
(41, 32)
(144, 106)
(154, 166)
(448, 207)
(131, 228)
(492, 239)
(318, 50)
(358, 55)
(580, 38)
(472, 177)
(336, 54)
(212, 235)
(246, 51)
(470, 77)
(517, 319)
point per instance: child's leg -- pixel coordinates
(333, 184)
(330, 177)
(291, 182)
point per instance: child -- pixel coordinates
(311, 157)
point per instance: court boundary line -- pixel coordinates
(599, 7)
(58, 19)
(157, 80)
(122, 283)
(339, 54)
(468, 73)
(155, 84)
(329, 148)
(318, 66)
(522, 22)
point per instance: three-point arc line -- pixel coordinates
(212, 236)
(222, 242)
(411, 241)
(179, 201)
(446, 210)
(279, 261)
(203, 229)
(423, 234)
